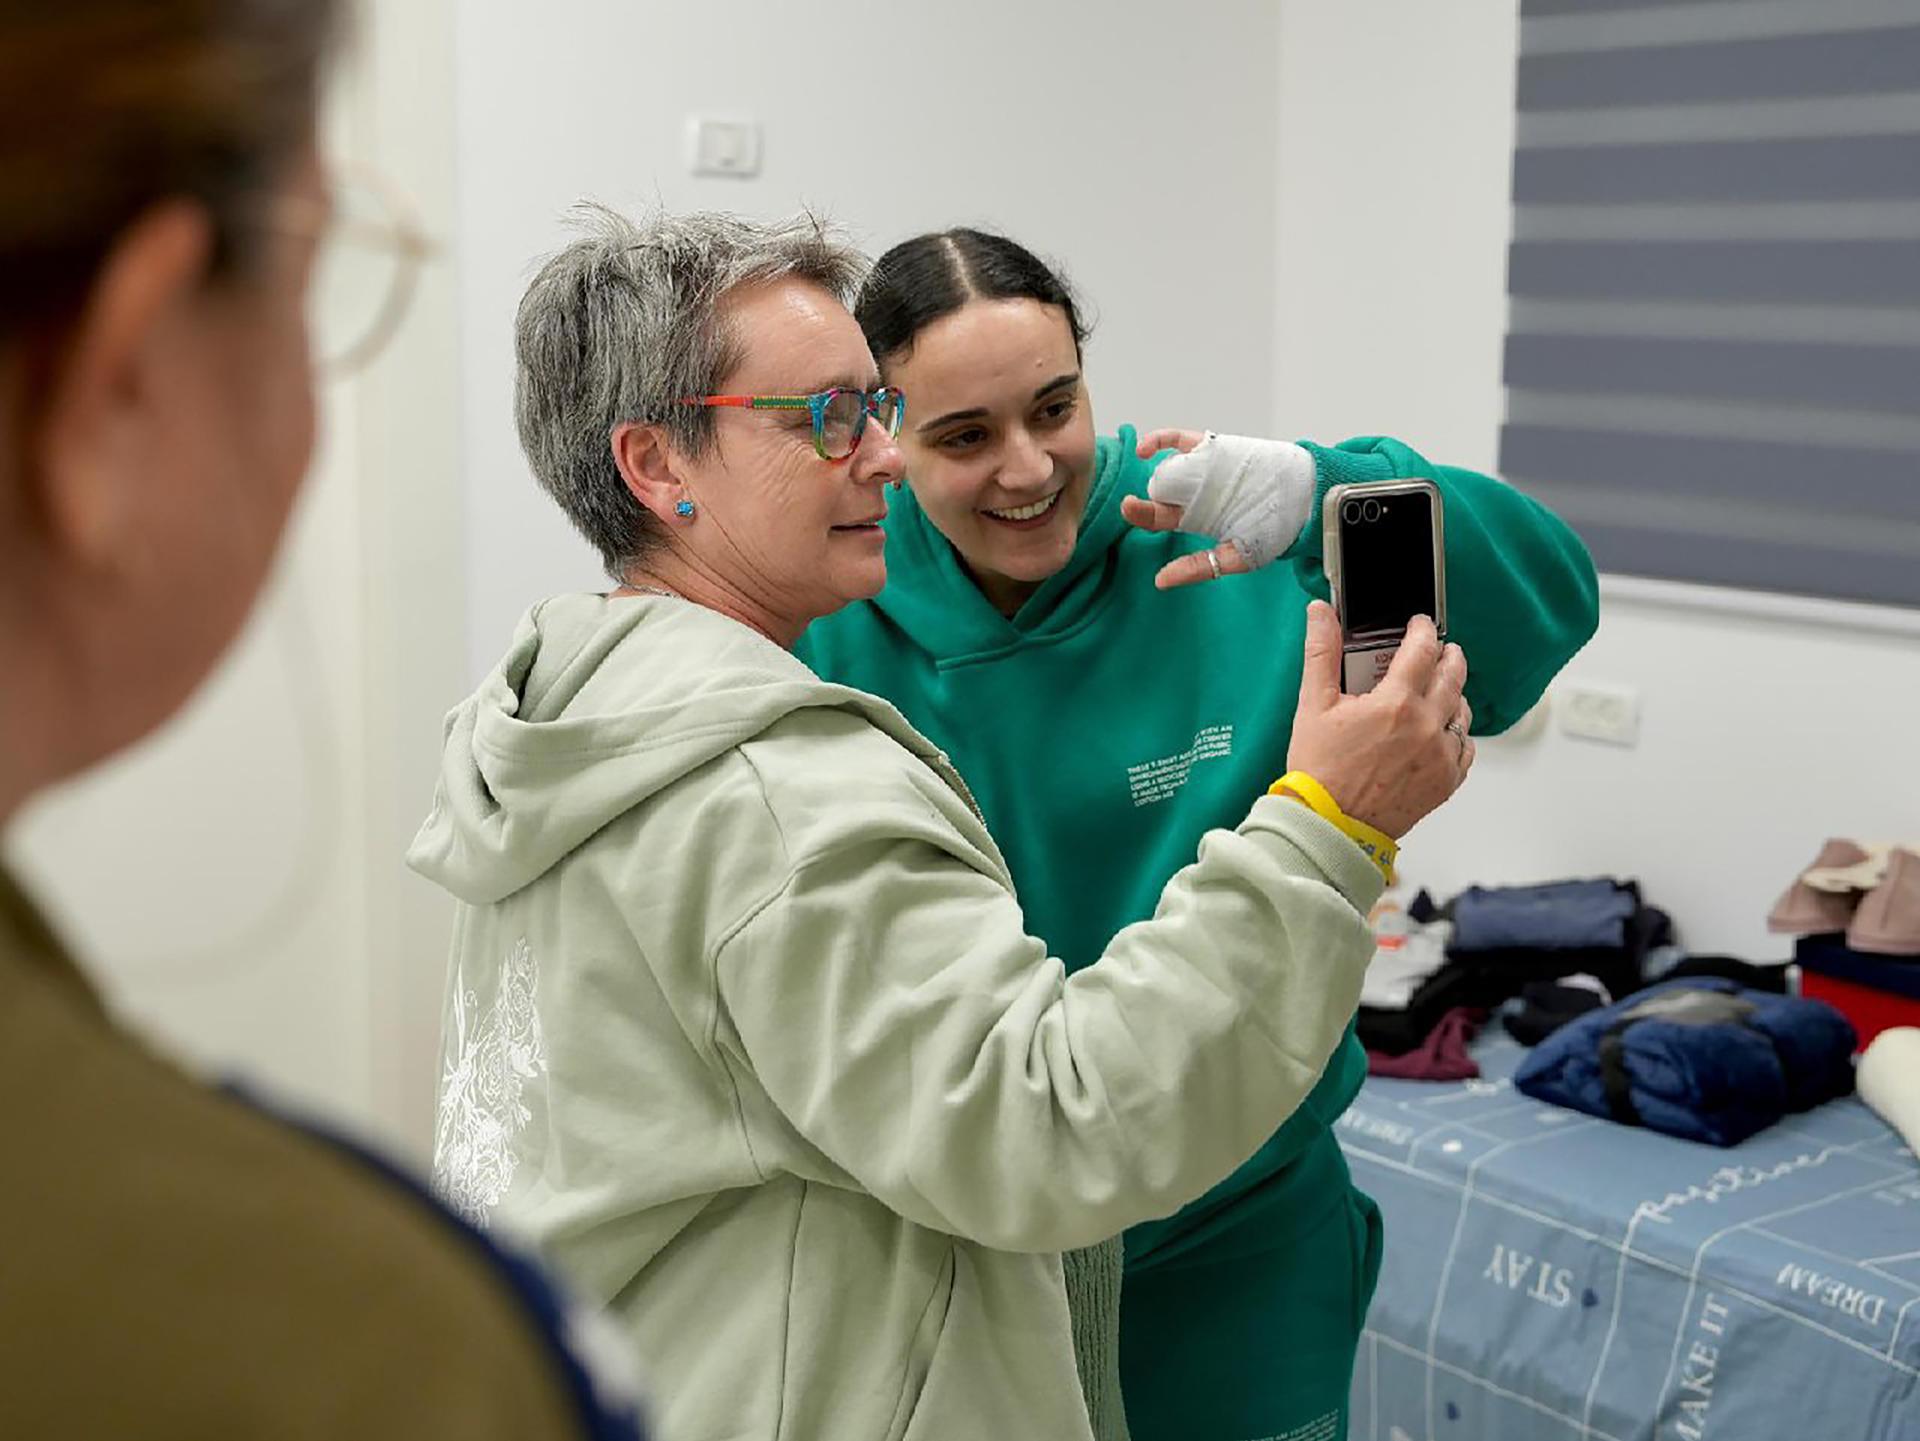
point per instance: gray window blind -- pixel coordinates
(1713, 350)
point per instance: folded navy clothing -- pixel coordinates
(1560, 916)
(1704, 1059)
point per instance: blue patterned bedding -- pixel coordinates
(1549, 1275)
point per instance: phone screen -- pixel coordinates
(1386, 562)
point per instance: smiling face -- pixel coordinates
(794, 536)
(999, 442)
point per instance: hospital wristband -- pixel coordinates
(1376, 845)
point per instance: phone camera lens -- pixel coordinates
(1350, 512)
(1371, 510)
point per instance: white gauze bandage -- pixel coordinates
(1255, 493)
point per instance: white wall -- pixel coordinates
(1134, 143)
(1765, 727)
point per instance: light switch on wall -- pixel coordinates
(723, 145)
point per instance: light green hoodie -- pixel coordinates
(745, 1030)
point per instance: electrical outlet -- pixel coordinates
(1596, 712)
(723, 145)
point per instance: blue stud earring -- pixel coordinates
(684, 510)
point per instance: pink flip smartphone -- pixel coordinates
(1386, 562)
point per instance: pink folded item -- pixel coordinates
(1858, 875)
(1888, 920)
(1810, 910)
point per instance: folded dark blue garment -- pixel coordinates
(1559, 916)
(1704, 1059)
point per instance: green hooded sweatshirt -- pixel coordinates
(1107, 725)
(745, 1029)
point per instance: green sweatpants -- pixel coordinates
(1247, 1331)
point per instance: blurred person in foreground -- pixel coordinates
(181, 1265)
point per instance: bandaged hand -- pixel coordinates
(1251, 495)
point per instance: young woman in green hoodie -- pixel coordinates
(1039, 577)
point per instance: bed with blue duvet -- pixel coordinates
(1550, 1274)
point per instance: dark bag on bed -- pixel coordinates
(1703, 1059)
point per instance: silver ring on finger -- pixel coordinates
(1459, 733)
(1213, 562)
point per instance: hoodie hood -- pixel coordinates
(598, 705)
(930, 596)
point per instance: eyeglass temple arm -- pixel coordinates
(751, 402)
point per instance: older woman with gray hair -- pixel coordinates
(744, 1026)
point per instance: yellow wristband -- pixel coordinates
(1376, 845)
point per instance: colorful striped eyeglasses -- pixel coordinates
(839, 415)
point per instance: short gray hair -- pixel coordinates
(625, 321)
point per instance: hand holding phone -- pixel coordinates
(1386, 563)
(1390, 757)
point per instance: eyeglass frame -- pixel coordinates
(816, 404)
(400, 235)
